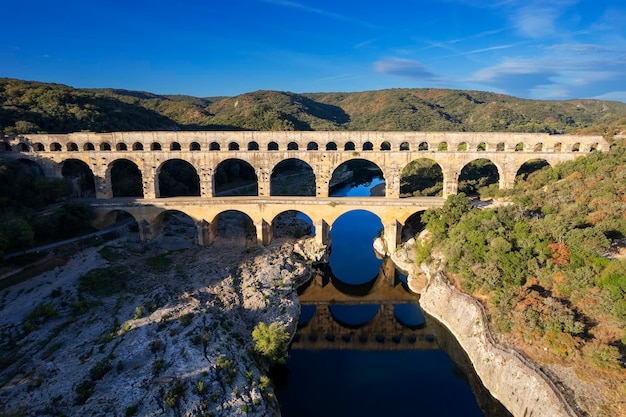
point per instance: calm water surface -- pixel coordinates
(345, 382)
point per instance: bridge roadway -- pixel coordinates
(323, 211)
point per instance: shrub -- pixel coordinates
(271, 341)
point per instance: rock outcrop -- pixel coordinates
(517, 383)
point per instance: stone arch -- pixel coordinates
(109, 218)
(355, 172)
(421, 177)
(538, 147)
(481, 147)
(385, 146)
(195, 146)
(253, 146)
(39, 147)
(105, 146)
(121, 147)
(519, 146)
(412, 226)
(593, 147)
(405, 146)
(423, 146)
(137, 146)
(462, 147)
(177, 177)
(292, 177)
(443, 146)
(22, 147)
(312, 146)
(292, 224)
(529, 167)
(500, 146)
(155, 146)
(88, 146)
(331, 146)
(214, 146)
(368, 146)
(235, 177)
(175, 146)
(233, 146)
(272, 146)
(478, 174)
(233, 226)
(55, 147)
(126, 178)
(292, 146)
(71, 147)
(79, 178)
(349, 146)
(576, 147)
(557, 147)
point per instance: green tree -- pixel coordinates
(271, 341)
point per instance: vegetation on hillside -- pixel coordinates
(35, 107)
(26, 217)
(546, 265)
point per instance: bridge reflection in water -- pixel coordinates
(381, 314)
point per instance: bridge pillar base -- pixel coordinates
(263, 233)
(322, 232)
(205, 237)
(392, 235)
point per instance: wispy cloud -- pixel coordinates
(321, 12)
(404, 68)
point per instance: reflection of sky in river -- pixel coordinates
(355, 314)
(352, 258)
(362, 190)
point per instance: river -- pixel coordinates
(359, 363)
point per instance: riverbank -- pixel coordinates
(517, 383)
(160, 328)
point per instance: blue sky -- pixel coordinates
(540, 49)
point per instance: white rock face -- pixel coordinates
(515, 382)
(174, 341)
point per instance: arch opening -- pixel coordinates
(421, 177)
(530, 167)
(88, 147)
(292, 146)
(178, 178)
(194, 146)
(354, 316)
(413, 226)
(349, 146)
(292, 224)
(214, 146)
(126, 179)
(79, 178)
(385, 146)
(235, 177)
(121, 147)
(177, 231)
(357, 178)
(175, 146)
(233, 146)
(331, 146)
(479, 177)
(405, 146)
(105, 146)
(253, 146)
(272, 146)
(312, 146)
(352, 258)
(155, 146)
(234, 227)
(292, 177)
(137, 146)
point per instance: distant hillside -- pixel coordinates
(30, 107)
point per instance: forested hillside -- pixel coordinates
(550, 267)
(31, 107)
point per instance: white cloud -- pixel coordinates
(404, 68)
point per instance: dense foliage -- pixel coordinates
(26, 218)
(544, 261)
(271, 341)
(32, 107)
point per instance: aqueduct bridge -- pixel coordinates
(323, 151)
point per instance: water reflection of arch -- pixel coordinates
(385, 287)
(382, 332)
